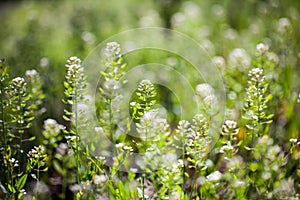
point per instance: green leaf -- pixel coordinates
(253, 167)
(11, 188)
(66, 118)
(21, 182)
(57, 167)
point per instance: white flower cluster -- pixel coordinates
(124, 148)
(207, 96)
(18, 84)
(230, 127)
(52, 125)
(256, 75)
(31, 73)
(239, 58)
(219, 62)
(14, 162)
(284, 25)
(73, 65)
(112, 50)
(262, 48)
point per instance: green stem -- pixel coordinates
(77, 137)
(143, 186)
(3, 121)
(37, 182)
(4, 128)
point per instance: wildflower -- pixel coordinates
(180, 163)
(75, 188)
(18, 84)
(145, 100)
(262, 49)
(204, 90)
(226, 148)
(219, 61)
(239, 58)
(272, 57)
(120, 145)
(230, 34)
(14, 162)
(112, 50)
(284, 25)
(230, 127)
(44, 62)
(256, 102)
(293, 140)
(51, 124)
(31, 73)
(238, 183)
(214, 177)
(99, 129)
(99, 179)
(88, 37)
(62, 148)
(128, 149)
(133, 170)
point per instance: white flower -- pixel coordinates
(112, 50)
(120, 145)
(293, 140)
(99, 129)
(238, 183)
(18, 82)
(204, 90)
(239, 58)
(52, 125)
(230, 126)
(262, 48)
(219, 61)
(99, 179)
(88, 37)
(284, 25)
(272, 57)
(226, 148)
(215, 176)
(44, 62)
(266, 175)
(133, 170)
(62, 148)
(32, 72)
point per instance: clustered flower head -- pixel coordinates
(75, 84)
(230, 127)
(13, 162)
(219, 61)
(262, 49)
(37, 159)
(256, 105)
(124, 148)
(74, 68)
(113, 50)
(256, 75)
(145, 99)
(284, 25)
(37, 152)
(52, 131)
(31, 73)
(18, 85)
(239, 58)
(52, 125)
